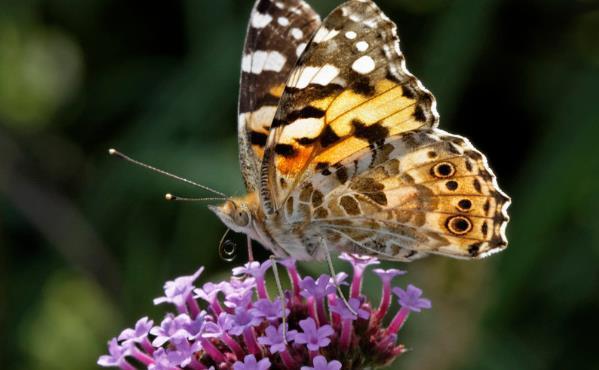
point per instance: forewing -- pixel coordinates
(418, 193)
(349, 91)
(277, 33)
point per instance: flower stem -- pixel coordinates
(250, 340)
(196, 365)
(385, 301)
(295, 281)
(212, 351)
(261, 288)
(192, 305)
(288, 361)
(216, 307)
(398, 320)
(356, 284)
(335, 317)
(147, 346)
(311, 308)
(233, 345)
(346, 331)
(322, 316)
(126, 366)
(141, 356)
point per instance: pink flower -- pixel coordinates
(242, 328)
(314, 337)
(321, 363)
(250, 363)
(410, 298)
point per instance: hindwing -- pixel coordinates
(420, 192)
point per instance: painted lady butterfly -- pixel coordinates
(339, 145)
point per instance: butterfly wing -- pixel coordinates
(355, 157)
(421, 192)
(277, 33)
(349, 91)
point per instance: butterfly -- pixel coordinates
(339, 146)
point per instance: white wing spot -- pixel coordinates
(303, 127)
(261, 60)
(371, 23)
(246, 63)
(320, 34)
(364, 65)
(324, 34)
(280, 5)
(258, 60)
(301, 77)
(362, 46)
(257, 119)
(260, 20)
(306, 76)
(355, 18)
(241, 121)
(327, 74)
(351, 35)
(275, 62)
(300, 49)
(297, 33)
(283, 21)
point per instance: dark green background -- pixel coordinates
(87, 241)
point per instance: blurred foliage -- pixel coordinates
(86, 242)
(39, 69)
(77, 315)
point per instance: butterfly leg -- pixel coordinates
(281, 294)
(334, 276)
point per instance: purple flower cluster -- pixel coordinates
(241, 326)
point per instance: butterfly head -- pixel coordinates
(236, 213)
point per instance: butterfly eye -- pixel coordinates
(459, 225)
(443, 170)
(242, 217)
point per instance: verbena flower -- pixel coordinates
(312, 336)
(239, 326)
(321, 363)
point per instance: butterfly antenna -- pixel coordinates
(177, 198)
(120, 155)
